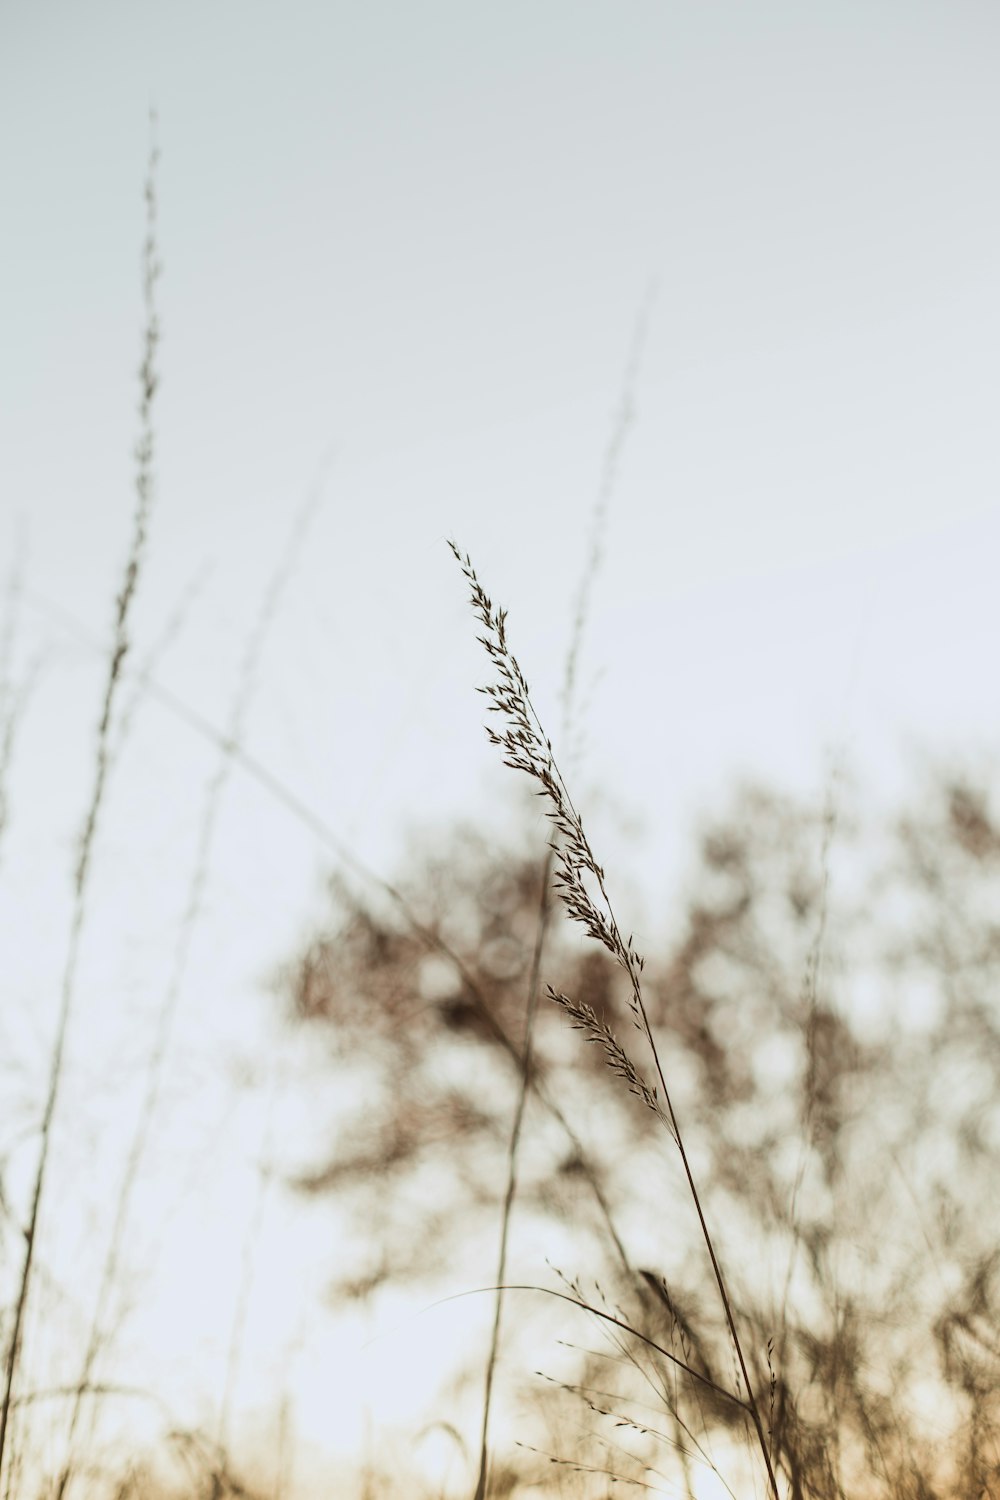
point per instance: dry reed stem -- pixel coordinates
(15, 708)
(141, 675)
(244, 1291)
(242, 700)
(511, 1188)
(623, 421)
(144, 484)
(810, 995)
(621, 428)
(525, 747)
(729, 1397)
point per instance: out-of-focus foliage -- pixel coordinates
(829, 1015)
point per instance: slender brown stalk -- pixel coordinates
(527, 1061)
(144, 484)
(14, 709)
(610, 1318)
(242, 700)
(244, 1293)
(141, 674)
(810, 998)
(624, 418)
(526, 748)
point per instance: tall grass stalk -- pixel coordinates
(527, 1063)
(621, 429)
(140, 676)
(526, 748)
(144, 486)
(623, 420)
(245, 1285)
(157, 1058)
(810, 994)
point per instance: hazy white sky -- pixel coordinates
(418, 235)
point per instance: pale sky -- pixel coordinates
(416, 237)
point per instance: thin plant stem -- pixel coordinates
(623, 423)
(624, 418)
(14, 711)
(156, 1063)
(244, 1292)
(810, 996)
(527, 748)
(140, 675)
(544, 907)
(144, 485)
(546, 1291)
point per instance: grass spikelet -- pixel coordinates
(582, 1017)
(526, 747)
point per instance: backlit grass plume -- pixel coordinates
(526, 747)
